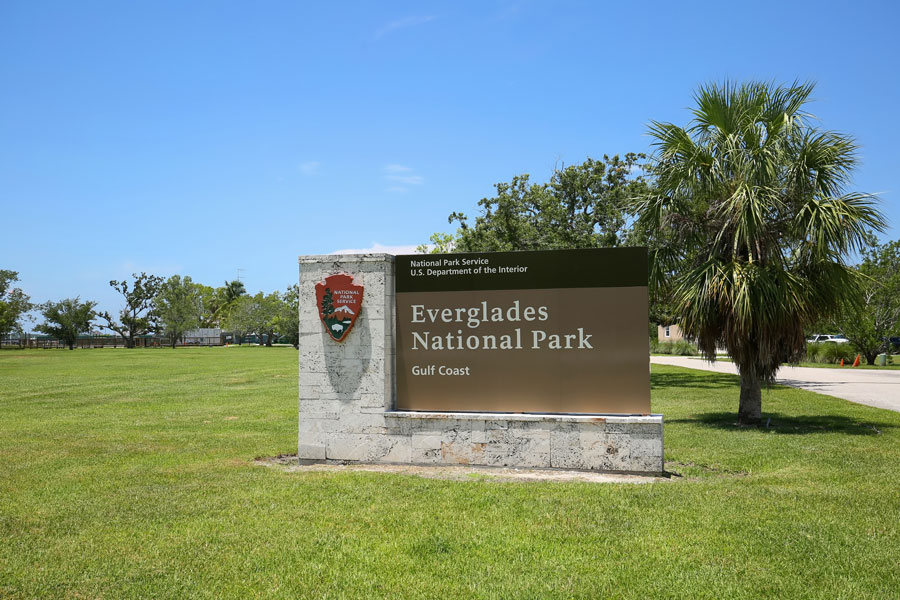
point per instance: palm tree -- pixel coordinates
(751, 226)
(224, 300)
(233, 290)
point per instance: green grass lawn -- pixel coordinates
(128, 474)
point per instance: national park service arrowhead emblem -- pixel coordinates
(340, 301)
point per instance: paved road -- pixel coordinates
(863, 386)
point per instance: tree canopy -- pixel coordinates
(750, 225)
(217, 302)
(287, 322)
(259, 315)
(137, 316)
(582, 206)
(869, 320)
(66, 319)
(14, 303)
(178, 306)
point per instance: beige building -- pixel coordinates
(669, 333)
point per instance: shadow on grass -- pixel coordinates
(794, 425)
(706, 380)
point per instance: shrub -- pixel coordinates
(684, 348)
(814, 352)
(833, 353)
(679, 348)
(829, 353)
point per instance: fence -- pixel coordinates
(107, 341)
(97, 340)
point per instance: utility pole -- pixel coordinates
(239, 273)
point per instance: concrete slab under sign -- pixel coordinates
(464, 472)
(347, 394)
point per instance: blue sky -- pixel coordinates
(198, 138)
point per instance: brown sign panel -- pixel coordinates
(561, 331)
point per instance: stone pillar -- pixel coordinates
(346, 387)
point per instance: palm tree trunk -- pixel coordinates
(750, 406)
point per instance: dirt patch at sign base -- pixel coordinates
(288, 462)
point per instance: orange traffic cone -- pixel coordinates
(842, 362)
(856, 362)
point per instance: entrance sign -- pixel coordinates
(339, 301)
(562, 331)
(516, 359)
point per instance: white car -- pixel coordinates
(819, 339)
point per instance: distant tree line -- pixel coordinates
(154, 305)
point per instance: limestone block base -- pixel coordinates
(614, 443)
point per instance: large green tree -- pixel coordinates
(869, 320)
(750, 225)
(14, 303)
(66, 319)
(178, 305)
(582, 206)
(240, 318)
(270, 308)
(136, 317)
(259, 315)
(209, 304)
(218, 304)
(287, 322)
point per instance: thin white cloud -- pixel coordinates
(310, 167)
(403, 24)
(406, 179)
(399, 177)
(377, 248)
